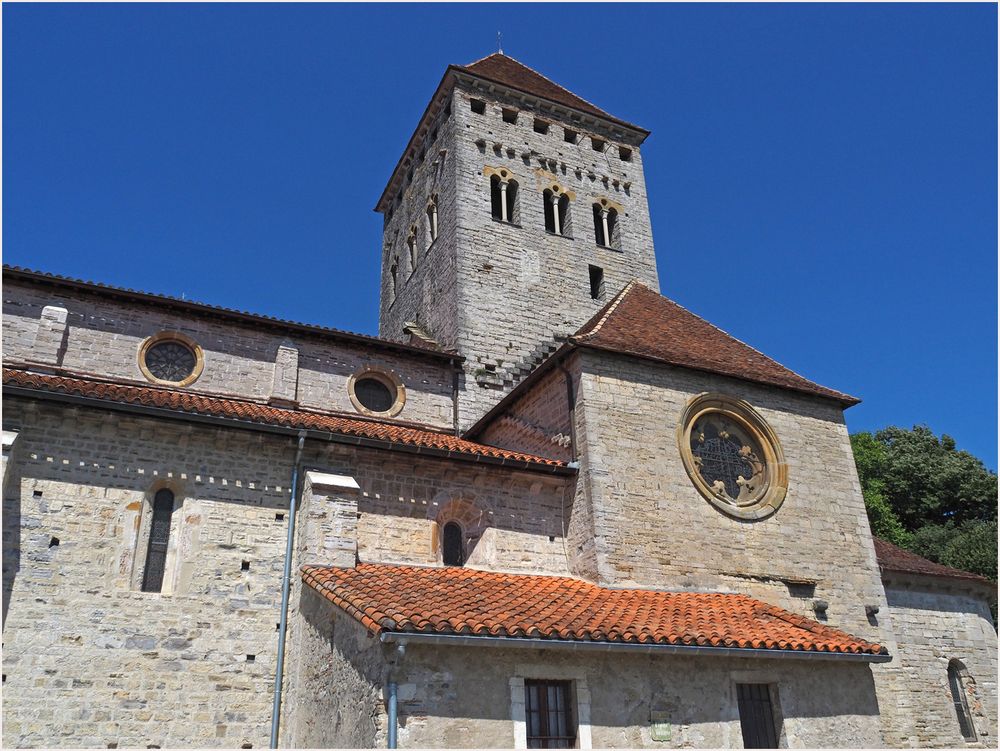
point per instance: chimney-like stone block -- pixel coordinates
(284, 386)
(329, 531)
(9, 436)
(50, 339)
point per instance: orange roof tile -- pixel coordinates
(257, 413)
(893, 558)
(639, 321)
(387, 598)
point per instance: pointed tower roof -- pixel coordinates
(507, 71)
(643, 323)
(502, 70)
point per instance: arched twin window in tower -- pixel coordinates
(606, 225)
(411, 247)
(556, 208)
(503, 197)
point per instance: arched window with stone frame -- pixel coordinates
(412, 249)
(555, 204)
(432, 220)
(152, 540)
(459, 524)
(504, 197)
(960, 685)
(606, 229)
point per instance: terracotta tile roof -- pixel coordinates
(506, 70)
(639, 321)
(263, 414)
(256, 319)
(463, 601)
(893, 558)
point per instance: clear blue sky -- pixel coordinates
(822, 179)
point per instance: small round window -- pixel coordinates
(732, 456)
(170, 358)
(374, 395)
(377, 393)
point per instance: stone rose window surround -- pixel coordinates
(369, 387)
(732, 456)
(171, 358)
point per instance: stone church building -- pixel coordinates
(546, 507)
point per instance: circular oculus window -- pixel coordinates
(171, 358)
(376, 393)
(732, 456)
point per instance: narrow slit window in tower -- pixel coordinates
(597, 282)
(955, 683)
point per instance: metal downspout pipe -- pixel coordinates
(393, 715)
(285, 587)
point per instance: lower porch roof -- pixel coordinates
(411, 603)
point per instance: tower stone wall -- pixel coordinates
(502, 292)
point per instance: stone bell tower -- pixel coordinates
(516, 212)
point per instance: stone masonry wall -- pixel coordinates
(460, 697)
(934, 626)
(519, 284)
(340, 668)
(103, 337)
(88, 658)
(653, 528)
(538, 422)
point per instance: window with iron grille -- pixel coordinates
(548, 714)
(159, 536)
(756, 715)
(955, 682)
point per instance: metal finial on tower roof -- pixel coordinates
(499, 43)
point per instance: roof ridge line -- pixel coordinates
(612, 307)
(748, 346)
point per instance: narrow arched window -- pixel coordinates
(452, 547)
(606, 225)
(956, 673)
(503, 198)
(393, 270)
(432, 221)
(159, 538)
(411, 245)
(556, 207)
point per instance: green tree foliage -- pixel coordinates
(924, 495)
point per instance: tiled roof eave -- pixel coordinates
(845, 400)
(479, 454)
(462, 640)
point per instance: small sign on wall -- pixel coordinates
(659, 726)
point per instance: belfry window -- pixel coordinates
(452, 545)
(503, 197)
(556, 208)
(432, 221)
(606, 225)
(159, 539)
(958, 697)
(411, 245)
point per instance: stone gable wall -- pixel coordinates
(538, 422)
(103, 337)
(653, 528)
(934, 626)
